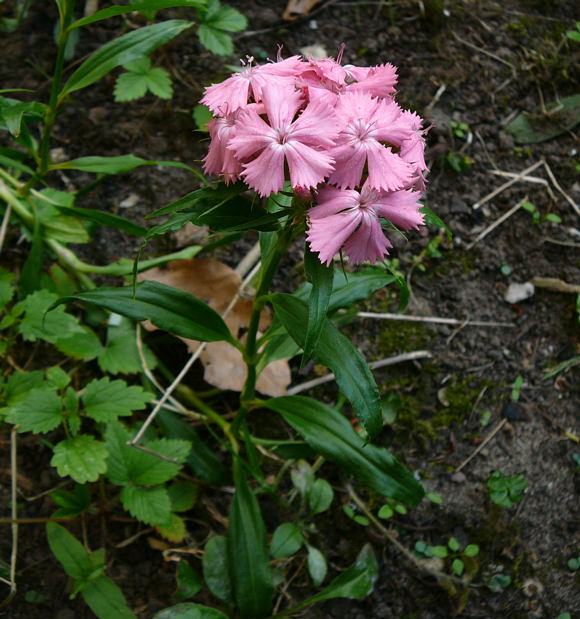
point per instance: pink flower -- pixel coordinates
(264, 148)
(377, 81)
(236, 91)
(367, 123)
(219, 160)
(349, 219)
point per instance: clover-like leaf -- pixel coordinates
(83, 458)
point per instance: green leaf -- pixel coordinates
(32, 268)
(129, 87)
(105, 400)
(217, 41)
(216, 568)
(39, 411)
(317, 567)
(129, 465)
(439, 551)
(106, 600)
(356, 583)
(563, 115)
(121, 354)
(453, 544)
(321, 278)
(82, 457)
(458, 566)
(331, 435)
(189, 581)
(149, 505)
(103, 165)
(103, 218)
(286, 540)
(190, 611)
(175, 531)
(225, 18)
(140, 78)
(38, 324)
(147, 5)
(320, 496)
(337, 352)
(202, 115)
(183, 495)
(71, 554)
(72, 503)
(204, 463)
(7, 287)
(433, 219)
(167, 308)
(83, 345)
(124, 49)
(248, 552)
(471, 550)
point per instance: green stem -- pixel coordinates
(54, 102)
(269, 266)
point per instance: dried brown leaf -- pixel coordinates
(299, 8)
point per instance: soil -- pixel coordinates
(476, 62)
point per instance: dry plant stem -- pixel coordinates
(14, 514)
(391, 537)
(167, 393)
(434, 320)
(488, 438)
(4, 225)
(496, 223)
(483, 51)
(515, 179)
(409, 356)
(559, 188)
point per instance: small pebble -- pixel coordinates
(458, 478)
(519, 292)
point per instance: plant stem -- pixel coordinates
(53, 103)
(267, 271)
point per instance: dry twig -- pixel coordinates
(483, 443)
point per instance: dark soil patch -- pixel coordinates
(487, 61)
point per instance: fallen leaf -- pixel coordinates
(216, 284)
(299, 8)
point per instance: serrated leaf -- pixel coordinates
(175, 531)
(331, 435)
(20, 384)
(83, 458)
(337, 352)
(286, 540)
(216, 569)
(38, 324)
(183, 495)
(106, 600)
(317, 567)
(159, 83)
(57, 378)
(121, 354)
(121, 50)
(130, 86)
(129, 465)
(320, 496)
(83, 345)
(166, 307)
(217, 41)
(149, 505)
(72, 503)
(39, 411)
(105, 400)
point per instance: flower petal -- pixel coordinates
(400, 207)
(387, 171)
(307, 166)
(265, 174)
(327, 235)
(368, 242)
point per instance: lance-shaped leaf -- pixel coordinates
(146, 5)
(320, 276)
(124, 49)
(330, 434)
(188, 610)
(337, 352)
(114, 165)
(248, 553)
(167, 308)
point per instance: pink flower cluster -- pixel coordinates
(334, 130)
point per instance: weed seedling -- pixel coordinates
(506, 491)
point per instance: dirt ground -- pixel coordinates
(476, 62)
